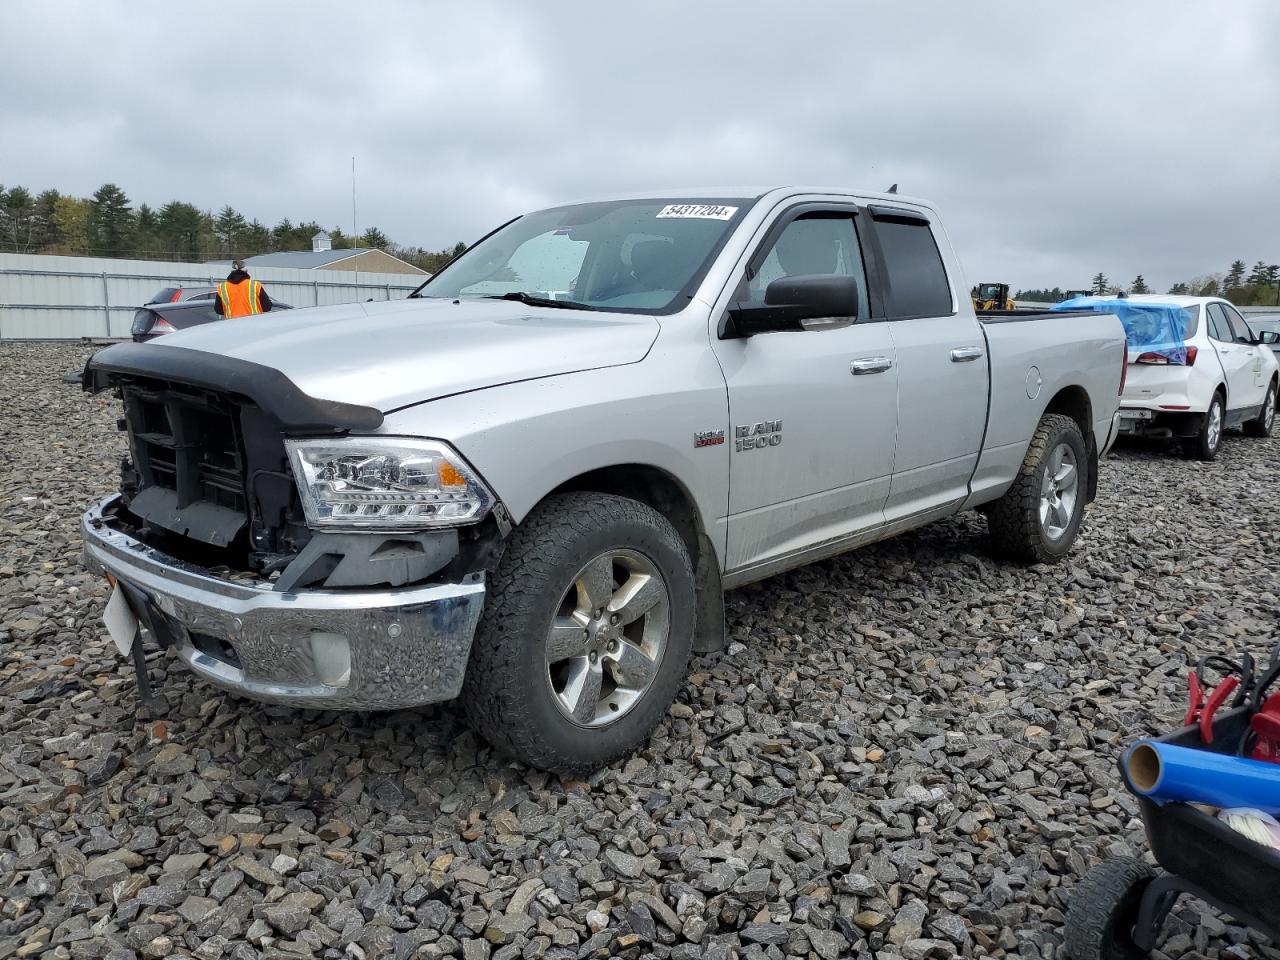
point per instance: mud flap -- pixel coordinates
(709, 635)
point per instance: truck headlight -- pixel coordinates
(386, 483)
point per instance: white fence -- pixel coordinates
(65, 298)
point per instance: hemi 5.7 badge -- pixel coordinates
(708, 438)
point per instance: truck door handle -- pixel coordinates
(865, 365)
(965, 354)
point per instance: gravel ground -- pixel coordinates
(909, 751)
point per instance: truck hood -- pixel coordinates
(394, 354)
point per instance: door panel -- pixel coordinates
(1257, 375)
(1236, 359)
(942, 411)
(813, 412)
(942, 370)
(827, 475)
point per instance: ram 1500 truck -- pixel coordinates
(527, 485)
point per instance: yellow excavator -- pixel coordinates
(990, 297)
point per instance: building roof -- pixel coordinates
(321, 235)
(305, 259)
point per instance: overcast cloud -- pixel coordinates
(1059, 139)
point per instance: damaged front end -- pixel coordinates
(317, 592)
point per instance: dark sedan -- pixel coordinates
(176, 308)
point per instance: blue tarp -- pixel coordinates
(1150, 327)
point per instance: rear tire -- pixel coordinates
(560, 648)
(1206, 444)
(1104, 909)
(1038, 518)
(1260, 426)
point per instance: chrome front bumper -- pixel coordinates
(406, 647)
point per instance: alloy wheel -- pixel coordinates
(607, 638)
(1059, 491)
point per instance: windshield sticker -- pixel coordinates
(697, 211)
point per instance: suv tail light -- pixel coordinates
(1124, 366)
(1157, 358)
(162, 326)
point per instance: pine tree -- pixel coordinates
(18, 212)
(257, 239)
(180, 226)
(1258, 275)
(1139, 285)
(229, 227)
(46, 231)
(1100, 284)
(1235, 276)
(373, 237)
(110, 222)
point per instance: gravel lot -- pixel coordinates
(909, 751)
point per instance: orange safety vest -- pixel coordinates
(240, 299)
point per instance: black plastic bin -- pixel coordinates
(1118, 909)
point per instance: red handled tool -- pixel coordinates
(1202, 706)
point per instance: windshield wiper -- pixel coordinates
(521, 297)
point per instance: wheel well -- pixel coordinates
(1074, 402)
(664, 493)
(651, 486)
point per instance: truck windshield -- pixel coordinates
(643, 256)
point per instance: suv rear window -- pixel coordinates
(918, 284)
(1191, 322)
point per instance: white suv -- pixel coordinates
(1229, 378)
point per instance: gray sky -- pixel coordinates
(1130, 137)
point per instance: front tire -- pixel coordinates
(1206, 444)
(1038, 518)
(586, 634)
(1260, 426)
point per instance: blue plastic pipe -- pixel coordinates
(1166, 773)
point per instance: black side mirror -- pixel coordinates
(791, 302)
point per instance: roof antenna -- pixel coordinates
(893, 189)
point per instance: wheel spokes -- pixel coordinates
(567, 638)
(581, 694)
(1061, 514)
(1065, 477)
(631, 666)
(640, 594)
(595, 584)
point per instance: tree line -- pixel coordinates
(108, 225)
(1256, 286)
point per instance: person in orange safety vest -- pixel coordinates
(240, 295)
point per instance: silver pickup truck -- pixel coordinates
(528, 485)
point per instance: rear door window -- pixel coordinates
(1239, 329)
(917, 280)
